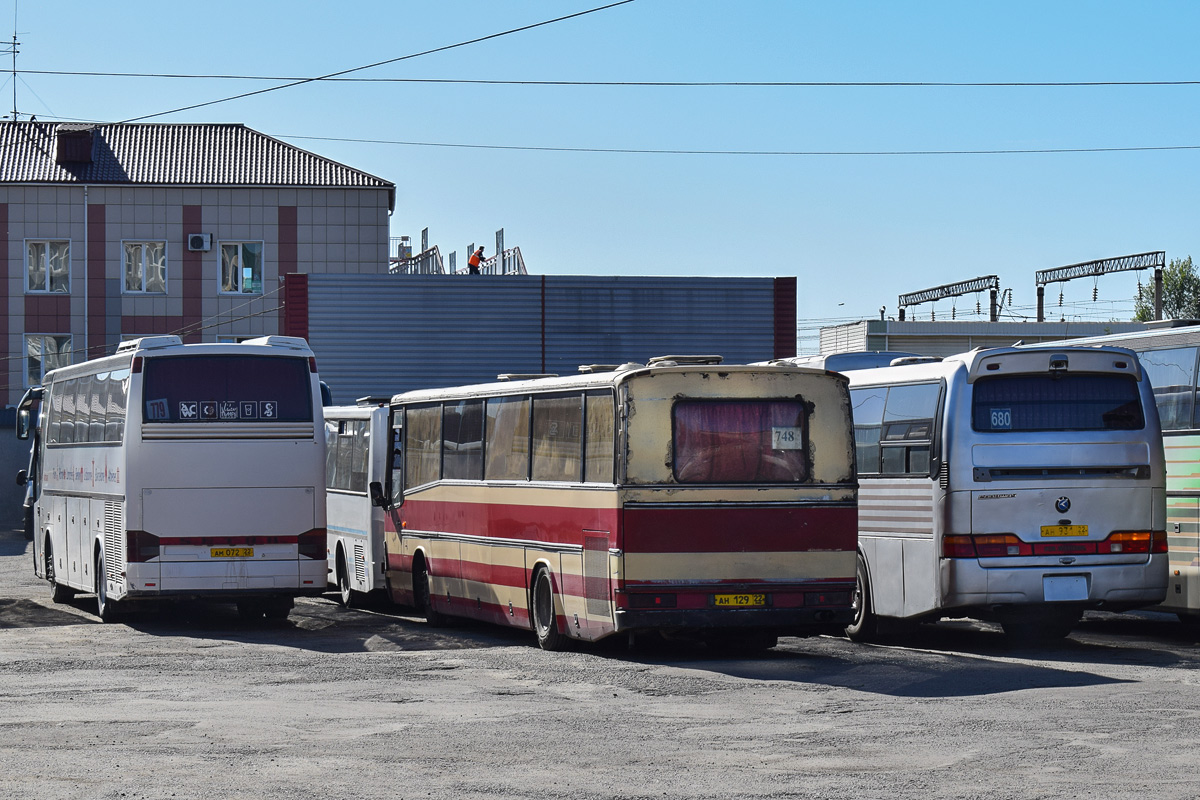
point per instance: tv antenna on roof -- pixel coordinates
(11, 49)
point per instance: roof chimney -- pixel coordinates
(74, 144)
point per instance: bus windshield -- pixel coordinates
(227, 388)
(1057, 403)
(740, 441)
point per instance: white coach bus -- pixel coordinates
(356, 470)
(182, 471)
(1018, 485)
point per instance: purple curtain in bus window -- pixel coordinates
(740, 442)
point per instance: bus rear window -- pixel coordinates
(226, 388)
(1057, 403)
(740, 441)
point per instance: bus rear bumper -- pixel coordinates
(294, 578)
(780, 619)
(966, 584)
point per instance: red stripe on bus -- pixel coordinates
(695, 529)
(549, 524)
(740, 529)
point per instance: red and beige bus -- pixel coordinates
(171, 470)
(684, 497)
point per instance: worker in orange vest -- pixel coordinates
(473, 261)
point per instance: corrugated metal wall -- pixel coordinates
(381, 334)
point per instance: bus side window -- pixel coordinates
(908, 419)
(1172, 375)
(422, 445)
(395, 444)
(867, 405)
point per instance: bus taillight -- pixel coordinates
(1135, 542)
(957, 545)
(140, 547)
(312, 544)
(1000, 545)
(637, 600)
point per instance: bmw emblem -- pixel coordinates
(1062, 505)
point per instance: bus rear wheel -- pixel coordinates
(545, 620)
(106, 608)
(346, 595)
(865, 626)
(1042, 628)
(736, 643)
(58, 592)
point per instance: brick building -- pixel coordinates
(117, 231)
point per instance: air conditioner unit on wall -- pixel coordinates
(199, 241)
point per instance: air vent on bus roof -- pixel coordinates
(588, 369)
(670, 361)
(294, 342)
(525, 376)
(899, 362)
(148, 343)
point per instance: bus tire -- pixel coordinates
(250, 609)
(735, 643)
(545, 620)
(347, 596)
(106, 609)
(58, 592)
(865, 627)
(1042, 628)
(424, 598)
(277, 608)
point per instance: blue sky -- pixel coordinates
(856, 226)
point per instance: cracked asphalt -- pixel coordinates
(193, 702)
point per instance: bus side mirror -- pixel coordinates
(377, 498)
(24, 419)
(22, 477)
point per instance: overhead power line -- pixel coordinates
(669, 84)
(339, 73)
(650, 151)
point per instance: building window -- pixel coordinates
(48, 266)
(241, 267)
(44, 353)
(145, 267)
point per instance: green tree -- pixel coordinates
(1180, 293)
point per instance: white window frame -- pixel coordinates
(238, 277)
(28, 339)
(28, 277)
(142, 244)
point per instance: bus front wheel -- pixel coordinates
(424, 597)
(865, 626)
(545, 620)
